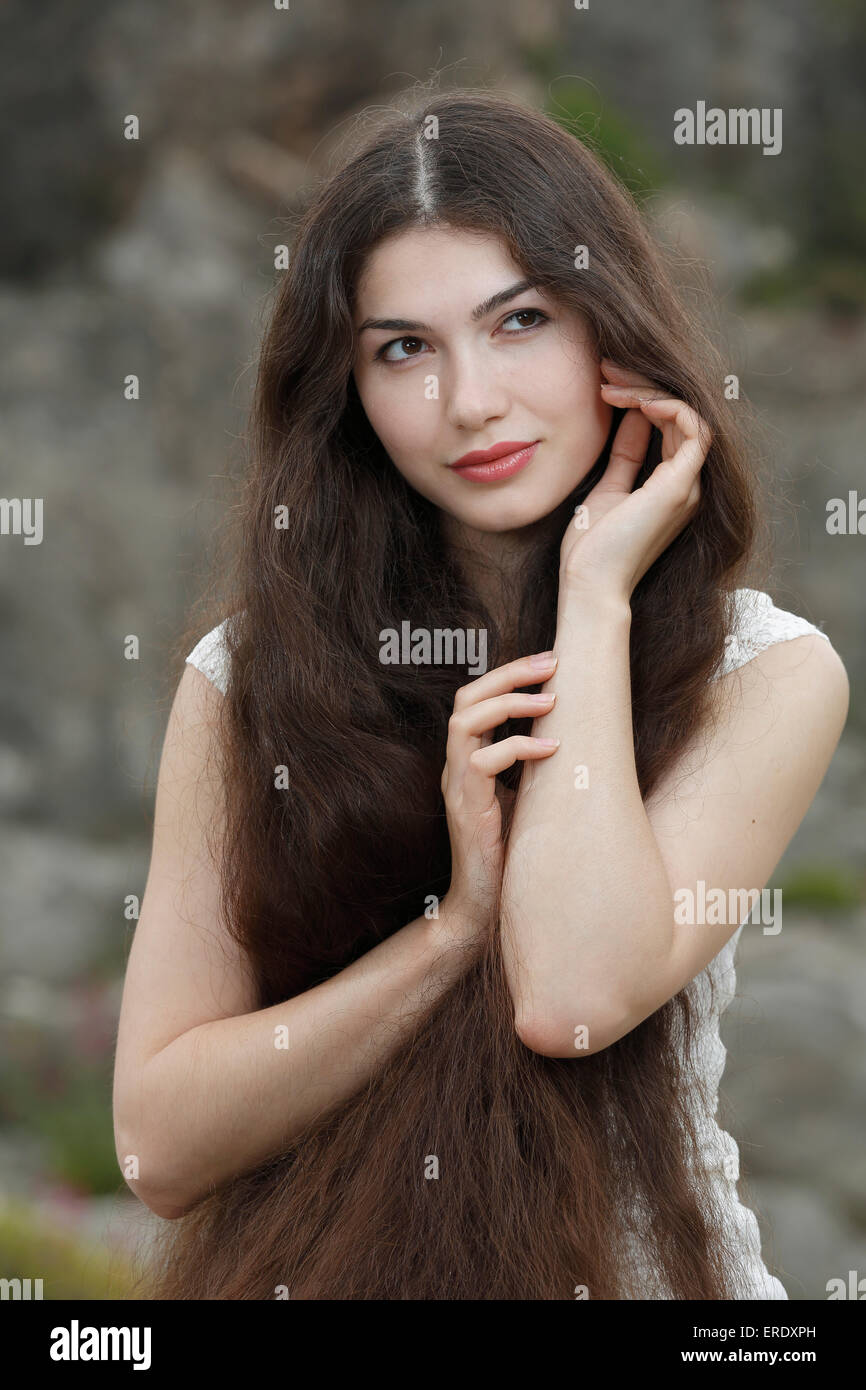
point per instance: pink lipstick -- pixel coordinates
(499, 461)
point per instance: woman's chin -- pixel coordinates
(501, 513)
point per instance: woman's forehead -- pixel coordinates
(412, 274)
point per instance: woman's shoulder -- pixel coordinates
(756, 624)
(210, 656)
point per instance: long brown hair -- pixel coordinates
(552, 1172)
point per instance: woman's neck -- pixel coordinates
(491, 561)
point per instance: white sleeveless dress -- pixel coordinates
(759, 624)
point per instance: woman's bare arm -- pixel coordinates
(207, 1086)
(591, 939)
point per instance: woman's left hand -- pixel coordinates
(620, 533)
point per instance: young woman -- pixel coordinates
(413, 1009)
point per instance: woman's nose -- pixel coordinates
(474, 394)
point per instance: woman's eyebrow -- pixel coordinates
(482, 310)
(479, 312)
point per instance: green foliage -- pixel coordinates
(79, 1136)
(578, 106)
(838, 286)
(68, 1266)
(822, 886)
(64, 1101)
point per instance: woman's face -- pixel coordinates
(455, 353)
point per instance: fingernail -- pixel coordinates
(549, 742)
(542, 699)
(542, 659)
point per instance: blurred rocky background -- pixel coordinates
(155, 257)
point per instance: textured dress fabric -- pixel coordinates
(758, 624)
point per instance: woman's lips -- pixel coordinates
(502, 466)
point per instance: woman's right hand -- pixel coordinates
(469, 783)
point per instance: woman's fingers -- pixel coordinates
(472, 758)
(628, 451)
(626, 388)
(659, 405)
(526, 670)
(476, 720)
(687, 436)
(687, 420)
(633, 395)
(476, 793)
(485, 763)
(624, 376)
(692, 436)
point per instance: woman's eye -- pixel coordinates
(413, 347)
(537, 314)
(384, 352)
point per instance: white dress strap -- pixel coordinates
(210, 656)
(759, 624)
